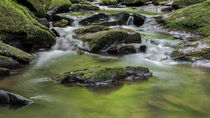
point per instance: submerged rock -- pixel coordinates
(103, 76)
(102, 40)
(13, 99)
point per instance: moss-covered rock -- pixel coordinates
(108, 2)
(103, 75)
(4, 72)
(91, 29)
(61, 23)
(103, 39)
(20, 29)
(192, 51)
(106, 19)
(15, 54)
(84, 7)
(123, 49)
(60, 6)
(40, 7)
(184, 3)
(9, 63)
(195, 18)
(159, 2)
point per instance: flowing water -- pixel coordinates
(177, 90)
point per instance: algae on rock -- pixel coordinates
(20, 29)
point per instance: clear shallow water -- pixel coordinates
(176, 90)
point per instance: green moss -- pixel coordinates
(61, 23)
(17, 21)
(41, 6)
(99, 39)
(184, 3)
(103, 72)
(91, 29)
(195, 18)
(130, 11)
(81, 13)
(15, 53)
(57, 3)
(108, 2)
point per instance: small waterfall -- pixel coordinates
(130, 20)
(151, 25)
(76, 22)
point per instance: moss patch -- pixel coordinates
(91, 29)
(100, 39)
(15, 53)
(16, 21)
(184, 3)
(108, 2)
(103, 74)
(195, 18)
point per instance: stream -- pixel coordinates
(176, 90)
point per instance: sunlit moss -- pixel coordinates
(195, 18)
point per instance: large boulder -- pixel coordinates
(40, 7)
(102, 40)
(104, 76)
(12, 58)
(138, 19)
(14, 53)
(19, 28)
(119, 19)
(13, 99)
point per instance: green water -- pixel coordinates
(175, 91)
